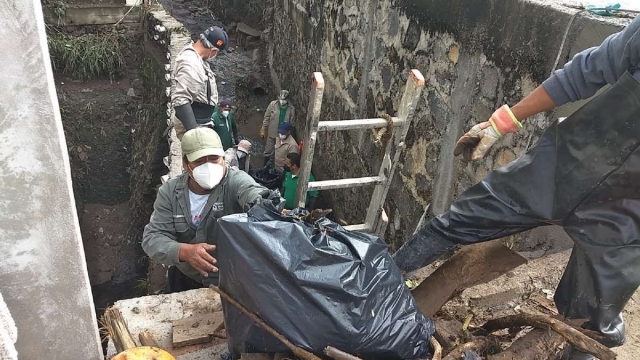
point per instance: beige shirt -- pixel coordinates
(272, 118)
(284, 148)
(190, 79)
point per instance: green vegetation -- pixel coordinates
(87, 56)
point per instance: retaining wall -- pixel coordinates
(475, 56)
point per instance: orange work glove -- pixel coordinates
(474, 144)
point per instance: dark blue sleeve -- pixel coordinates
(595, 67)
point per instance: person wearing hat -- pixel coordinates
(238, 156)
(225, 125)
(285, 144)
(196, 94)
(184, 219)
(279, 111)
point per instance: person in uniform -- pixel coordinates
(196, 94)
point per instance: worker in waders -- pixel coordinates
(583, 174)
(196, 94)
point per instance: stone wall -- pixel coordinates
(475, 57)
(158, 155)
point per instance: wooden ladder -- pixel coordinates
(376, 220)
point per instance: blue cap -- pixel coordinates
(284, 128)
(215, 37)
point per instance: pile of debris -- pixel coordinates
(535, 332)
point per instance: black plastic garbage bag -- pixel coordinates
(318, 285)
(267, 176)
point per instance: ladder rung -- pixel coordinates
(345, 183)
(359, 227)
(356, 124)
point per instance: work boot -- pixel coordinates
(571, 353)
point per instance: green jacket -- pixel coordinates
(226, 129)
(171, 224)
(290, 186)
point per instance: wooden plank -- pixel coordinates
(196, 329)
(313, 118)
(247, 30)
(345, 183)
(470, 266)
(358, 227)
(360, 124)
(407, 108)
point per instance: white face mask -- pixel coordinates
(283, 102)
(225, 113)
(282, 136)
(208, 175)
(241, 154)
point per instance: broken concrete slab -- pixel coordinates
(198, 329)
(155, 314)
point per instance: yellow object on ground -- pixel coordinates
(144, 353)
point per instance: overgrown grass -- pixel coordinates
(87, 56)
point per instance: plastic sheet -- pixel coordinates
(267, 176)
(318, 285)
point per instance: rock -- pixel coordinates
(504, 157)
(131, 92)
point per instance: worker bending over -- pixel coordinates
(279, 111)
(583, 174)
(180, 231)
(239, 156)
(225, 125)
(290, 185)
(196, 94)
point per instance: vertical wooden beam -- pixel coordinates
(313, 117)
(407, 108)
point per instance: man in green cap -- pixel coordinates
(180, 231)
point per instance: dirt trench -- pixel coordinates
(99, 117)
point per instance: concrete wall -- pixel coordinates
(475, 56)
(43, 275)
(164, 39)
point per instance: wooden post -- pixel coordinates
(313, 117)
(407, 108)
